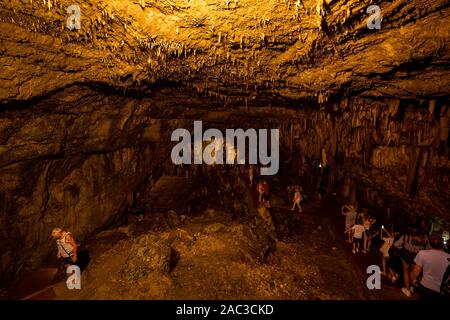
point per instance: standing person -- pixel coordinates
(67, 247)
(264, 212)
(349, 211)
(267, 205)
(388, 240)
(260, 189)
(266, 189)
(250, 175)
(319, 188)
(395, 262)
(358, 233)
(433, 264)
(297, 200)
(360, 215)
(369, 232)
(411, 243)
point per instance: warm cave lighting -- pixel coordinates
(317, 166)
(445, 237)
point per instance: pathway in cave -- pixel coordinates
(328, 209)
(33, 286)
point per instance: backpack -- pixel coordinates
(445, 285)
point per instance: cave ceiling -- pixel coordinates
(238, 51)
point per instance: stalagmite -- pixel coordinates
(432, 106)
(394, 107)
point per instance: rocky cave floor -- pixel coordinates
(216, 257)
(213, 264)
(86, 114)
(212, 254)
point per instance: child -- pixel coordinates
(297, 200)
(350, 217)
(358, 233)
(388, 238)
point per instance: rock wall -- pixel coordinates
(78, 158)
(231, 49)
(74, 161)
(382, 153)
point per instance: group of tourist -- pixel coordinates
(359, 228)
(413, 257)
(263, 192)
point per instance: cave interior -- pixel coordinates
(91, 93)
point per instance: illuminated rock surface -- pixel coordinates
(86, 115)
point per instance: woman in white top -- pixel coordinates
(67, 247)
(388, 241)
(358, 234)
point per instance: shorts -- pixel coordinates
(358, 240)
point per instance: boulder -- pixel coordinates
(254, 243)
(149, 254)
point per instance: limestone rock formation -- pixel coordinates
(255, 244)
(86, 114)
(289, 49)
(149, 254)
